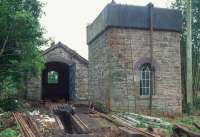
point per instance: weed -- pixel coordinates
(188, 121)
(141, 125)
(12, 104)
(100, 107)
(198, 102)
(8, 132)
(189, 109)
(9, 104)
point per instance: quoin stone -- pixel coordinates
(128, 61)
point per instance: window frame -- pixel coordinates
(49, 73)
(146, 80)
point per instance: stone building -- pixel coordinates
(134, 59)
(65, 76)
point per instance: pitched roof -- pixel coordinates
(68, 50)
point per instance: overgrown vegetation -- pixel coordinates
(8, 126)
(100, 106)
(181, 5)
(189, 122)
(20, 41)
(12, 104)
(189, 109)
(9, 132)
(198, 102)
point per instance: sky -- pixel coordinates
(66, 20)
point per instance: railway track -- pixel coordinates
(82, 128)
(28, 127)
(72, 123)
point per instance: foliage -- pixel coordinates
(181, 5)
(9, 104)
(9, 88)
(100, 106)
(20, 41)
(3, 117)
(8, 125)
(141, 125)
(169, 131)
(8, 132)
(189, 109)
(13, 104)
(53, 77)
(188, 122)
(197, 102)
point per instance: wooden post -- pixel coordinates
(189, 92)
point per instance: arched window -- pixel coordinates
(146, 80)
(52, 77)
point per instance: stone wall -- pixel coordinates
(99, 76)
(114, 58)
(34, 88)
(59, 54)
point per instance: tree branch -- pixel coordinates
(4, 46)
(6, 40)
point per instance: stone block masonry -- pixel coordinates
(61, 53)
(116, 55)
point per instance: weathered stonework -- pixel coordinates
(61, 53)
(112, 58)
(115, 56)
(34, 88)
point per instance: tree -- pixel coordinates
(189, 81)
(181, 5)
(20, 41)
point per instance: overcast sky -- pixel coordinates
(66, 20)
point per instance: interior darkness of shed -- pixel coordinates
(56, 87)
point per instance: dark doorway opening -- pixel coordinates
(55, 81)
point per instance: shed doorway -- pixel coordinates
(58, 81)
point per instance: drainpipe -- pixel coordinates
(150, 5)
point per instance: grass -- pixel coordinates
(10, 132)
(186, 121)
(8, 128)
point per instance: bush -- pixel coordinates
(187, 121)
(100, 107)
(198, 102)
(189, 109)
(10, 104)
(8, 133)
(7, 89)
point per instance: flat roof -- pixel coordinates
(137, 17)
